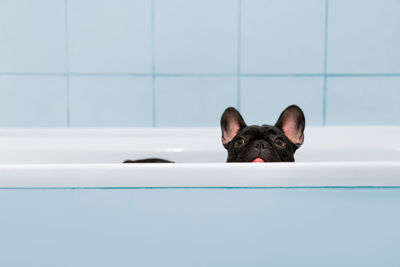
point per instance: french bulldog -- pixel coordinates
(149, 160)
(255, 143)
(263, 143)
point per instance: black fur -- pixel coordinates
(245, 143)
(270, 143)
(150, 160)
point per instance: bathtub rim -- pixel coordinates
(201, 175)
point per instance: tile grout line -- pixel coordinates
(349, 187)
(153, 76)
(325, 89)
(67, 63)
(239, 54)
(174, 75)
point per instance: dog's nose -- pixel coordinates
(261, 144)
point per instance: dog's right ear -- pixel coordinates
(231, 123)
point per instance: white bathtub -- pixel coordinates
(66, 200)
(331, 156)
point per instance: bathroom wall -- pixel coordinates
(183, 227)
(143, 63)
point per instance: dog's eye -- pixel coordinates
(280, 143)
(240, 142)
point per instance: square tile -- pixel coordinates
(264, 98)
(33, 101)
(193, 101)
(196, 36)
(110, 36)
(102, 101)
(364, 36)
(363, 101)
(32, 36)
(282, 36)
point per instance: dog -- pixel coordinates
(255, 143)
(263, 143)
(150, 160)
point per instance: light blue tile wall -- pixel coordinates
(109, 101)
(109, 36)
(181, 62)
(32, 36)
(33, 101)
(364, 36)
(193, 101)
(285, 227)
(367, 100)
(264, 98)
(282, 36)
(193, 36)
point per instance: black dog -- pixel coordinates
(264, 143)
(257, 143)
(150, 160)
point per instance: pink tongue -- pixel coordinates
(258, 160)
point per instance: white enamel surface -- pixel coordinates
(330, 156)
(202, 175)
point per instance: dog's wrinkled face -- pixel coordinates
(264, 143)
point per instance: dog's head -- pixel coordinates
(264, 143)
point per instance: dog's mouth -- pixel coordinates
(258, 160)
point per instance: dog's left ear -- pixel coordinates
(292, 122)
(231, 123)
